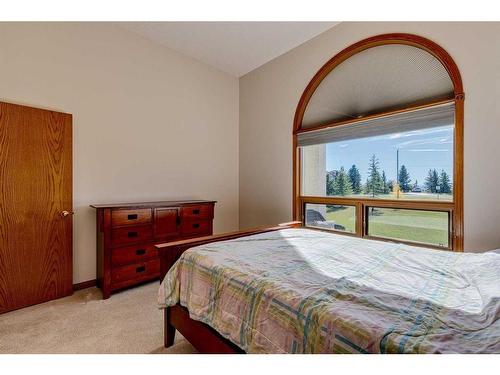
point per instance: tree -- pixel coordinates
(444, 183)
(391, 184)
(415, 185)
(374, 181)
(386, 189)
(355, 179)
(341, 183)
(404, 179)
(431, 181)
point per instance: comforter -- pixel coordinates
(305, 291)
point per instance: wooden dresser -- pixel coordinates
(127, 232)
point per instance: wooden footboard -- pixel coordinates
(203, 337)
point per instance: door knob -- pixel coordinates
(66, 213)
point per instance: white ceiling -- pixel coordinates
(233, 47)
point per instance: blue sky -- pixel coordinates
(419, 151)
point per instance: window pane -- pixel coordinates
(427, 227)
(332, 217)
(411, 165)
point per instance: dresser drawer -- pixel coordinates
(198, 211)
(132, 254)
(129, 235)
(130, 217)
(142, 270)
(196, 227)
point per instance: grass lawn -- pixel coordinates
(419, 226)
(345, 216)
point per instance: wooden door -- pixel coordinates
(35, 206)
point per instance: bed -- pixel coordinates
(296, 290)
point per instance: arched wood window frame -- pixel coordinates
(454, 208)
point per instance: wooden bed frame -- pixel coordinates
(203, 337)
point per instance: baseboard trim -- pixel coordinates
(84, 285)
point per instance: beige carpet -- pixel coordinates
(128, 322)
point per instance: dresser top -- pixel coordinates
(149, 204)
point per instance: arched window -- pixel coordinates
(378, 144)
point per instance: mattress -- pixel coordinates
(306, 291)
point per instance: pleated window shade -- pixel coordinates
(378, 79)
(424, 118)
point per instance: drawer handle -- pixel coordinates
(196, 225)
(140, 269)
(140, 251)
(132, 217)
(196, 212)
(132, 234)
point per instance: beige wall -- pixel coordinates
(148, 122)
(269, 96)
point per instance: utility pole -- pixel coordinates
(397, 166)
(397, 172)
